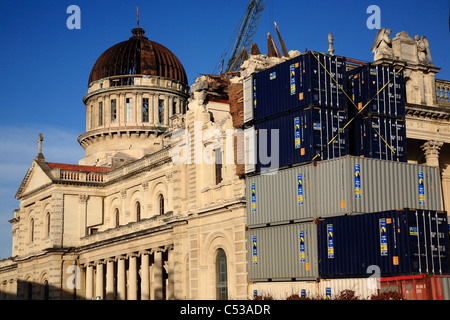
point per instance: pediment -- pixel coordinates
(36, 177)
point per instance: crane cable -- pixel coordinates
(360, 110)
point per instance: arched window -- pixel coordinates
(32, 230)
(47, 218)
(116, 214)
(46, 290)
(161, 204)
(29, 290)
(221, 275)
(138, 211)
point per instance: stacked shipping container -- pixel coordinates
(296, 113)
(296, 108)
(408, 241)
(378, 130)
(342, 186)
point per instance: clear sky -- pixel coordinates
(45, 66)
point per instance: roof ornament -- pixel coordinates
(138, 32)
(330, 44)
(40, 155)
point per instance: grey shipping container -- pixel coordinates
(399, 242)
(281, 253)
(340, 186)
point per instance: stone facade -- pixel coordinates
(150, 229)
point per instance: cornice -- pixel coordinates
(430, 112)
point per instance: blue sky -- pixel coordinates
(46, 66)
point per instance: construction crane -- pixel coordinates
(244, 33)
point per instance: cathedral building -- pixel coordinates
(157, 207)
(130, 221)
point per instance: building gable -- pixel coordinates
(36, 177)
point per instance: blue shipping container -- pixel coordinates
(297, 137)
(298, 83)
(409, 241)
(366, 81)
(379, 138)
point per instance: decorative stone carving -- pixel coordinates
(84, 198)
(382, 46)
(423, 49)
(431, 149)
(330, 44)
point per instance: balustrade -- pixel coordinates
(443, 91)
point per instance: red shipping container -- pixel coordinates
(418, 287)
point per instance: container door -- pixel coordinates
(250, 150)
(248, 99)
(418, 242)
(415, 289)
(438, 227)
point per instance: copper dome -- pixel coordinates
(138, 55)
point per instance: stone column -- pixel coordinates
(166, 111)
(431, 149)
(89, 281)
(155, 109)
(99, 285)
(107, 110)
(446, 188)
(170, 274)
(121, 109)
(132, 274)
(139, 97)
(171, 102)
(145, 275)
(145, 204)
(109, 279)
(158, 275)
(83, 214)
(121, 279)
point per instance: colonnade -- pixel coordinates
(144, 275)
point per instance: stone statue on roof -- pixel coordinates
(382, 46)
(330, 44)
(423, 49)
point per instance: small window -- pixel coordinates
(100, 113)
(46, 290)
(218, 165)
(129, 110)
(145, 108)
(138, 211)
(113, 110)
(92, 117)
(174, 107)
(221, 275)
(32, 230)
(48, 224)
(161, 204)
(161, 111)
(117, 217)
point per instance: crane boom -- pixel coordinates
(245, 33)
